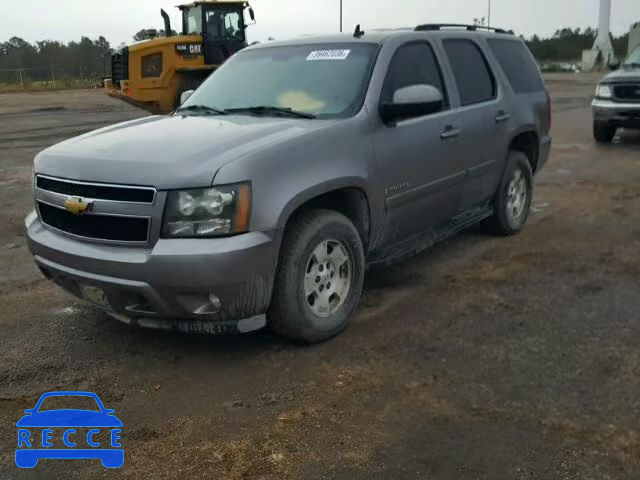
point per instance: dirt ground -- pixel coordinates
(485, 358)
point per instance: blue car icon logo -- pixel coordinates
(90, 432)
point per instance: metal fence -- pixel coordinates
(50, 77)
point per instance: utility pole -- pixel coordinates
(489, 13)
(53, 77)
(21, 79)
(340, 16)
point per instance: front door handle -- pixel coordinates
(450, 132)
(502, 116)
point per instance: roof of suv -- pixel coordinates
(380, 36)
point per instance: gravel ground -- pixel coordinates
(484, 358)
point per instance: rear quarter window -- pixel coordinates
(518, 64)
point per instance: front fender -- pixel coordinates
(288, 174)
(318, 190)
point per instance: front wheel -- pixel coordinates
(320, 277)
(512, 201)
(603, 133)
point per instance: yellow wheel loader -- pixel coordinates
(153, 73)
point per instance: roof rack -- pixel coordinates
(470, 28)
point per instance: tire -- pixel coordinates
(314, 317)
(512, 201)
(603, 132)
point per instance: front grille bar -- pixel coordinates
(97, 191)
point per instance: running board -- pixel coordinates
(427, 239)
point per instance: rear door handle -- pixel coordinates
(502, 116)
(450, 132)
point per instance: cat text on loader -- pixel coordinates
(154, 73)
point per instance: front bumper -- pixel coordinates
(203, 285)
(619, 114)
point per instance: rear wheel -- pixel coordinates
(603, 132)
(320, 277)
(512, 200)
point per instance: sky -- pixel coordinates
(118, 20)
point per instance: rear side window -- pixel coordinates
(475, 80)
(518, 65)
(413, 64)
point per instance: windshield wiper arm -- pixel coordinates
(265, 109)
(201, 108)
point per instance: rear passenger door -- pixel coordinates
(482, 118)
(418, 158)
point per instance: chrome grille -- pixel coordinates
(627, 92)
(109, 213)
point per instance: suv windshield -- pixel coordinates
(76, 402)
(633, 60)
(322, 80)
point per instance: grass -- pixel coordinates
(61, 84)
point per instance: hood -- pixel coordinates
(69, 418)
(629, 75)
(181, 151)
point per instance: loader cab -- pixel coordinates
(222, 26)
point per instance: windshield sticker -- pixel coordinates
(328, 55)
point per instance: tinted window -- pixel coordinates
(413, 64)
(224, 25)
(518, 65)
(474, 79)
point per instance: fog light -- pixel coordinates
(201, 304)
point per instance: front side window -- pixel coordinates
(475, 81)
(412, 64)
(193, 21)
(325, 80)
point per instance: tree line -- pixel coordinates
(567, 45)
(49, 60)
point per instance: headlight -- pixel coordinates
(207, 212)
(603, 91)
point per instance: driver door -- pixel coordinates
(419, 159)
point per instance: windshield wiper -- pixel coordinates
(201, 108)
(268, 109)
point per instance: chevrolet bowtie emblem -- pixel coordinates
(77, 206)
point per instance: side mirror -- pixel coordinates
(614, 66)
(109, 411)
(413, 101)
(185, 96)
(29, 411)
(252, 14)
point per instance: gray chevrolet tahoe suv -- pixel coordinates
(262, 199)
(617, 100)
